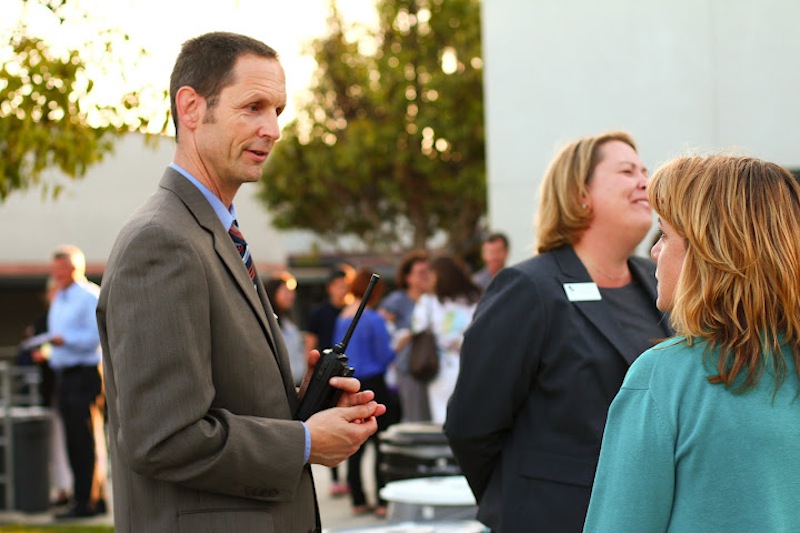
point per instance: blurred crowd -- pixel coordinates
(434, 292)
(430, 291)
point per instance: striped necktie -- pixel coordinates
(244, 250)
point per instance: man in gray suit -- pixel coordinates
(200, 393)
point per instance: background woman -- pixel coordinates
(281, 293)
(448, 312)
(413, 280)
(703, 435)
(552, 339)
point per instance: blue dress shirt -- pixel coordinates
(72, 316)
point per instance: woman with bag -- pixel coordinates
(413, 279)
(447, 313)
(281, 293)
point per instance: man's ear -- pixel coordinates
(190, 106)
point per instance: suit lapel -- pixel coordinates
(281, 354)
(597, 312)
(226, 251)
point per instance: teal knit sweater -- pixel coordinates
(682, 455)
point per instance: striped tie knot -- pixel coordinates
(244, 250)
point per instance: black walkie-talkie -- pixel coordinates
(332, 363)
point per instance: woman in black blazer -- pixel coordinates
(551, 341)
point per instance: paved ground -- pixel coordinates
(335, 511)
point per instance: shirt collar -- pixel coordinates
(226, 216)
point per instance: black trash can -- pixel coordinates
(415, 450)
(31, 427)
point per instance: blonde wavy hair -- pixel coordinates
(739, 288)
(561, 218)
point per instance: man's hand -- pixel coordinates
(38, 356)
(311, 359)
(348, 385)
(338, 433)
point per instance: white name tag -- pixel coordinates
(582, 292)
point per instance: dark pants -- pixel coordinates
(78, 389)
(354, 474)
(377, 384)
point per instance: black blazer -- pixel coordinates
(538, 373)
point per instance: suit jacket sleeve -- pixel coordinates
(189, 409)
(499, 359)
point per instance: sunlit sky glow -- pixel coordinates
(160, 26)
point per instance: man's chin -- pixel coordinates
(251, 176)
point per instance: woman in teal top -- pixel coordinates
(705, 433)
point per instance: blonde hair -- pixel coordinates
(561, 218)
(739, 287)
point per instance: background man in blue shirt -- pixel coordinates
(75, 358)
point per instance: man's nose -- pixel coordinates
(270, 128)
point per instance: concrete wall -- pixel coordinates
(678, 75)
(90, 212)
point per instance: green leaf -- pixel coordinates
(44, 122)
(388, 141)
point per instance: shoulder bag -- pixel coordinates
(423, 355)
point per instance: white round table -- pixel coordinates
(430, 499)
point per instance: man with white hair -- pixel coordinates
(75, 358)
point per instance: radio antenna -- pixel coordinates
(340, 347)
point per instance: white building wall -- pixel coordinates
(90, 212)
(679, 75)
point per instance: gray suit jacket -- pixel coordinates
(199, 390)
(538, 373)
